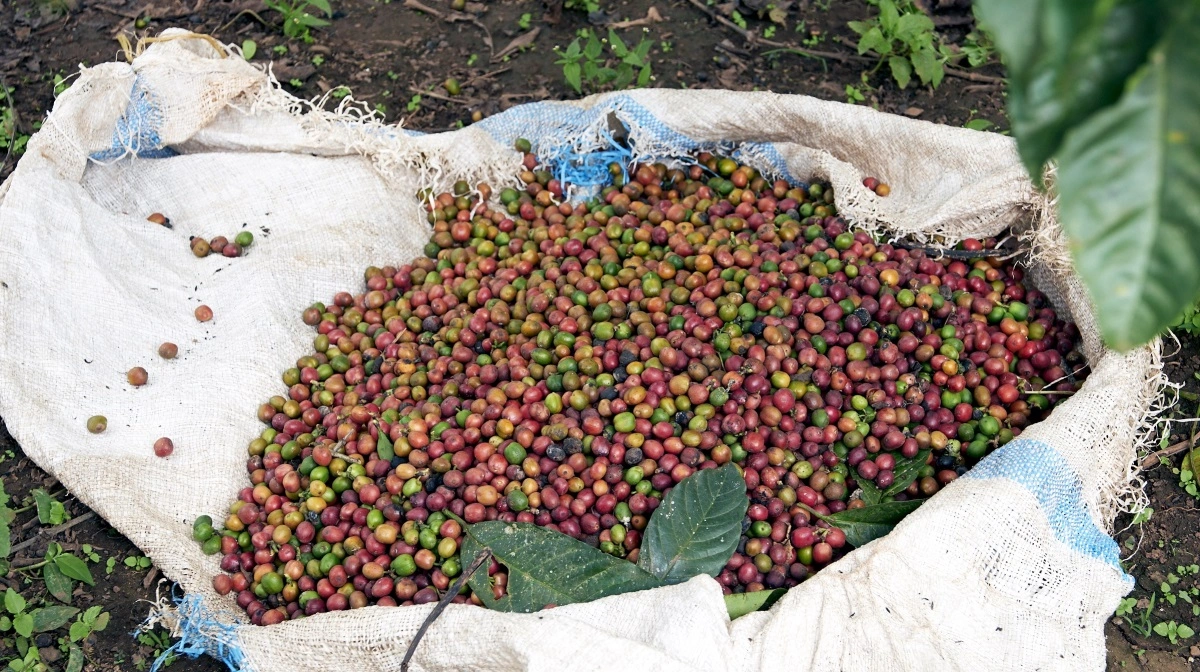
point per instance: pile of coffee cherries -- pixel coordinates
(222, 245)
(567, 364)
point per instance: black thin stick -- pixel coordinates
(480, 560)
(51, 531)
(934, 252)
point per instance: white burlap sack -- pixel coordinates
(1008, 568)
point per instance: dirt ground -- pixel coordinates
(396, 55)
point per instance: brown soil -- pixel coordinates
(387, 52)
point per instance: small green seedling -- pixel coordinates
(1173, 631)
(298, 20)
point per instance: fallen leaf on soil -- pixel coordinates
(652, 16)
(518, 42)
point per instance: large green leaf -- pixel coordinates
(1067, 59)
(869, 523)
(52, 617)
(1129, 192)
(547, 567)
(696, 529)
(59, 584)
(74, 568)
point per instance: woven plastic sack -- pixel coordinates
(1008, 568)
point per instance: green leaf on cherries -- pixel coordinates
(547, 567)
(871, 494)
(869, 523)
(740, 604)
(906, 472)
(696, 529)
(384, 448)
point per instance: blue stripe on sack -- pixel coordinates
(200, 633)
(1045, 473)
(136, 132)
(555, 128)
(758, 152)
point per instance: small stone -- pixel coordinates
(50, 654)
(1194, 651)
(913, 112)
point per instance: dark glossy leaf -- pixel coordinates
(1066, 60)
(740, 604)
(871, 522)
(1138, 254)
(547, 567)
(905, 473)
(59, 584)
(696, 529)
(52, 617)
(384, 448)
(75, 568)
